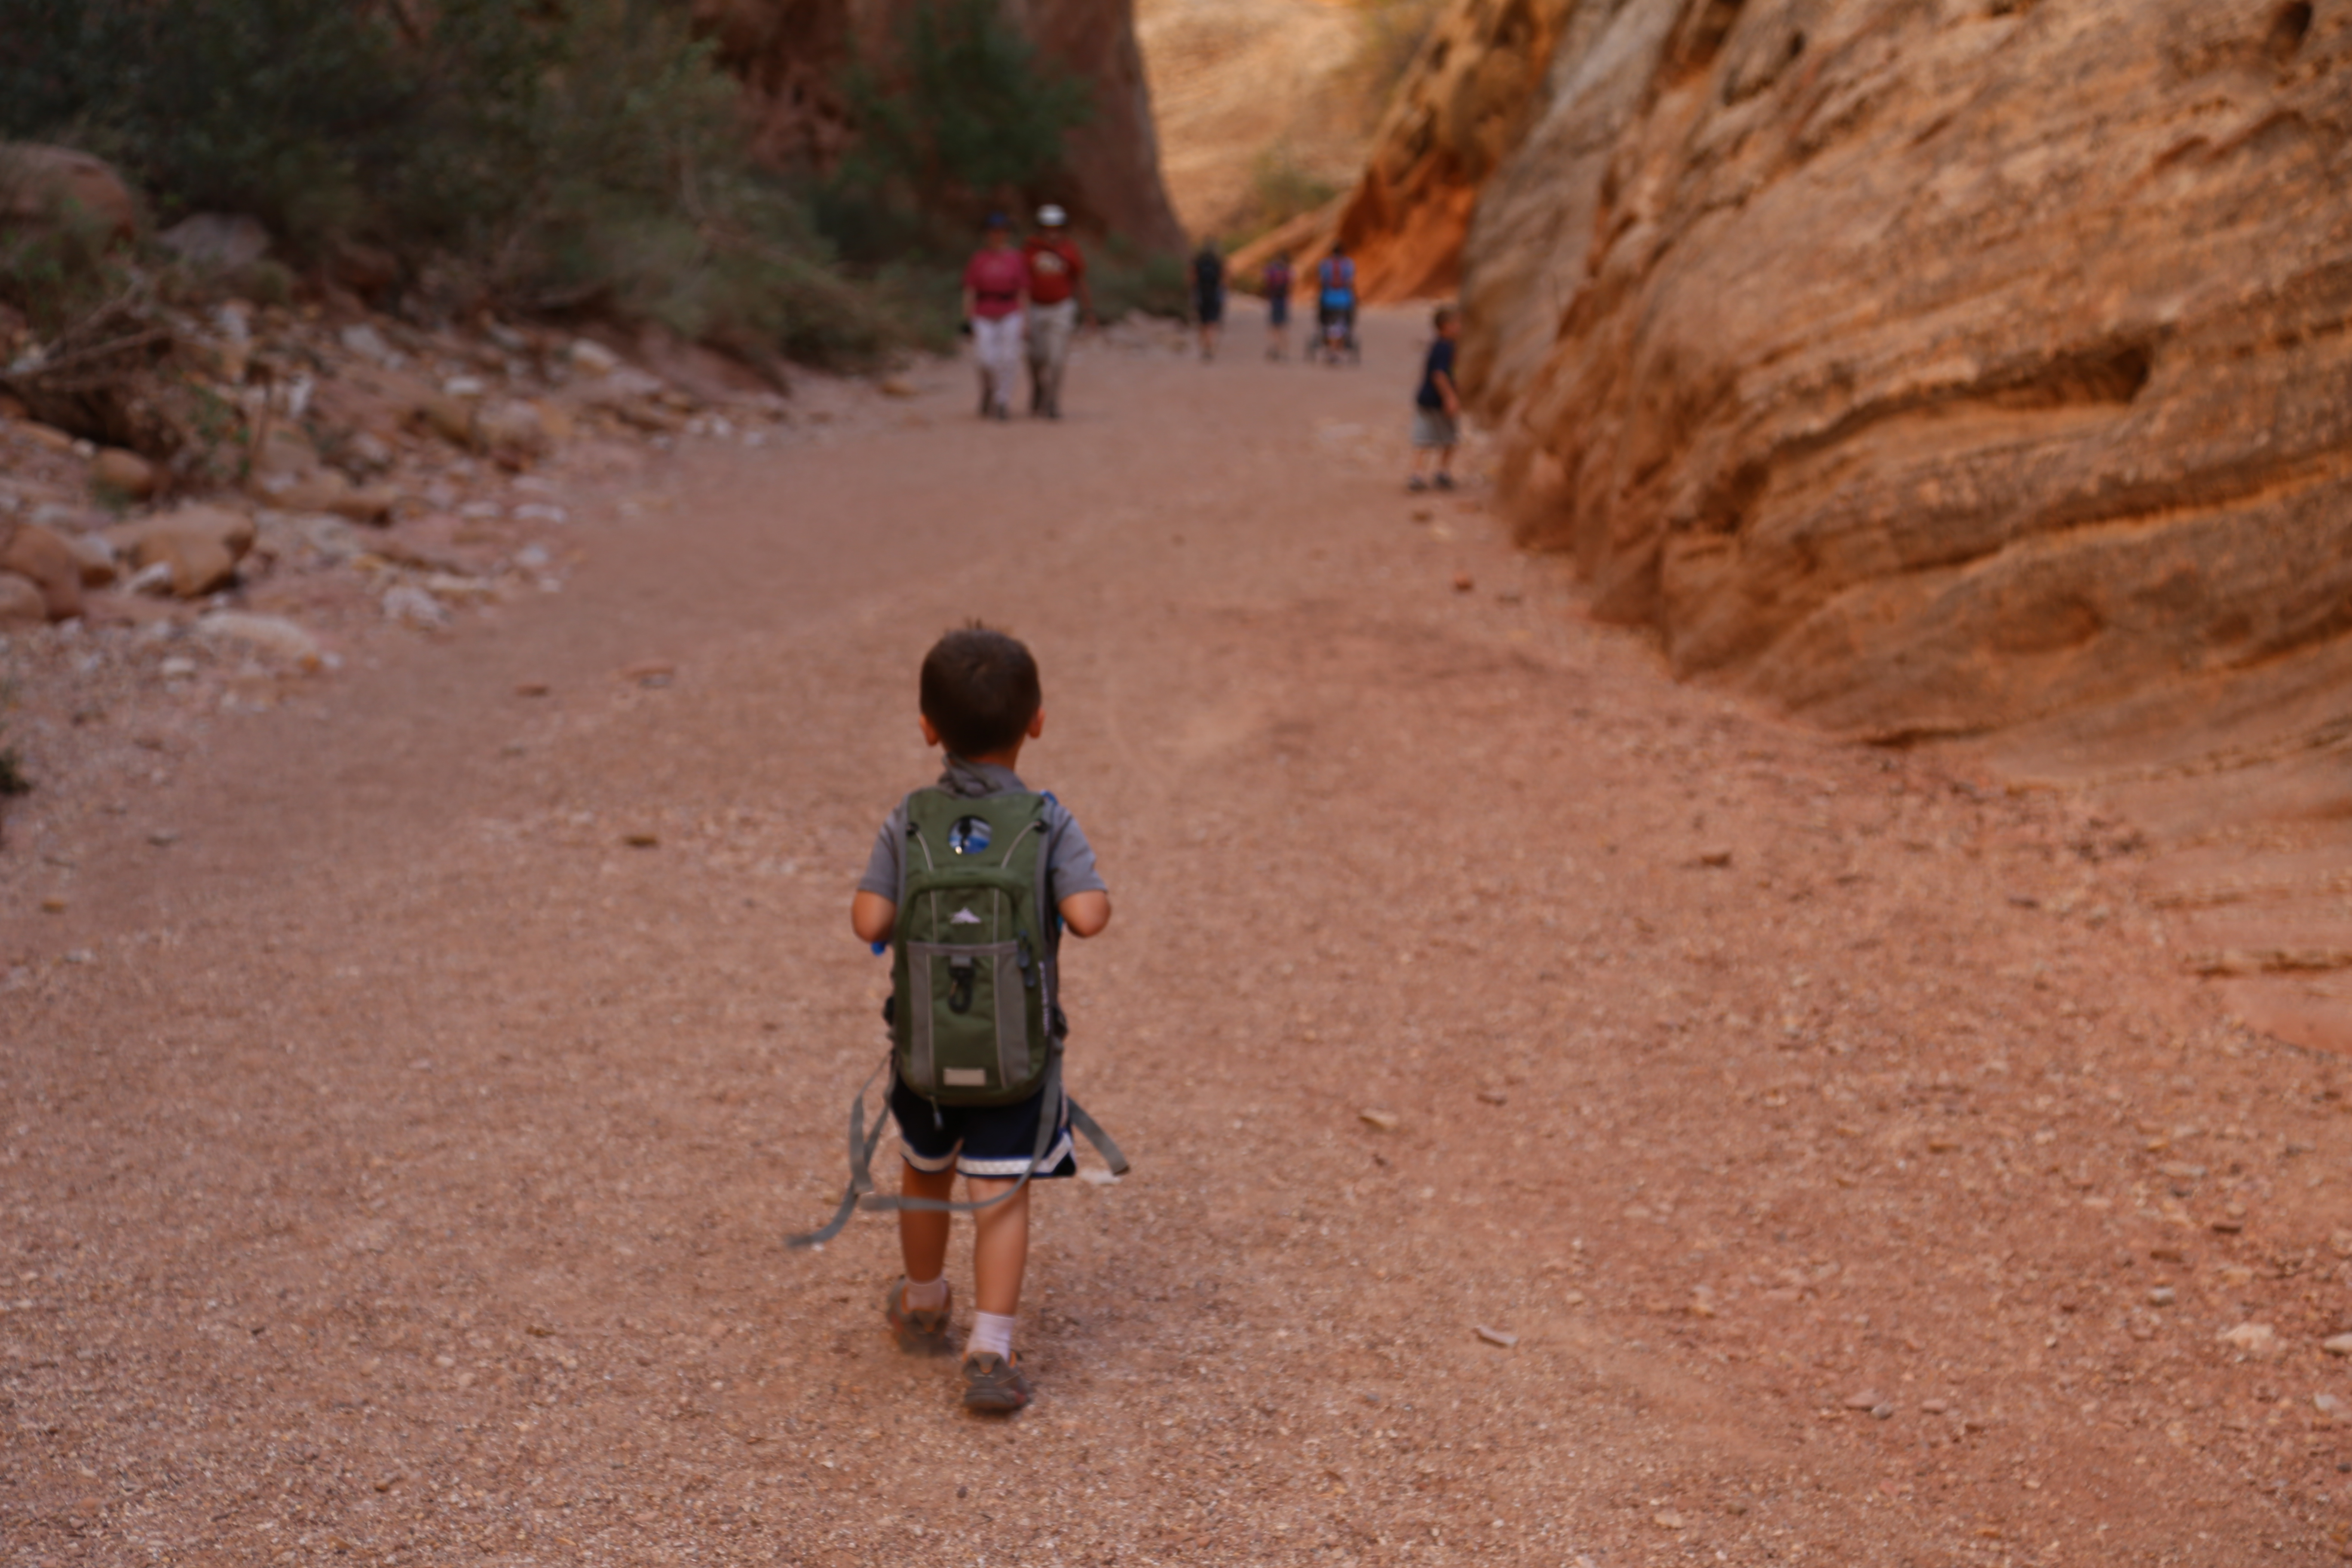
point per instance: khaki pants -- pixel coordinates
(1051, 328)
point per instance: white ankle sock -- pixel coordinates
(928, 1297)
(991, 1333)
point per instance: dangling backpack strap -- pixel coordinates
(862, 1147)
(861, 1163)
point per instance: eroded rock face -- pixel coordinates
(1460, 111)
(1934, 369)
(791, 53)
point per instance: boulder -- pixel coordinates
(96, 556)
(217, 242)
(122, 473)
(197, 565)
(512, 431)
(38, 182)
(200, 545)
(46, 560)
(23, 606)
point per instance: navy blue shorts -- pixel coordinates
(1277, 312)
(993, 1142)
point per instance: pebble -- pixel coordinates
(2162, 1296)
(1868, 1399)
(641, 840)
(2250, 1337)
(162, 838)
(53, 906)
(2341, 1344)
(1493, 1097)
(1934, 1406)
(1381, 1121)
(1497, 1337)
(1464, 582)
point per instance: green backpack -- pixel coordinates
(973, 985)
(972, 1020)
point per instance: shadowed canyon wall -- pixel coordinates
(790, 54)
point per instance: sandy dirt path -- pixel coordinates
(401, 1177)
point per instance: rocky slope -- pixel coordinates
(790, 53)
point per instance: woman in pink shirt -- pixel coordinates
(995, 286)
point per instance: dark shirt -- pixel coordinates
(1440, 362)
(1208, 275)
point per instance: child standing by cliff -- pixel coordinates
(976, 1001)
(1437, 406)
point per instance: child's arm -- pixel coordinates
(873, 917)
(1445, 390)
(1084, 913)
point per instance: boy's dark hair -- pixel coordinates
(980, 690)
(1446, 314)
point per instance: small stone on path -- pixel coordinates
(1383, 1120)
(1497, 1337)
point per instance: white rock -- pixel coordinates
(2252, 1338)
(413, 606)
(272, 635)
(2339, 1346)
(368, 343)
(589, 358)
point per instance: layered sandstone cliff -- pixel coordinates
(1934, 369)
(790, 54)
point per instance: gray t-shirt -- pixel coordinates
(1069, 858)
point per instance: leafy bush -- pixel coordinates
(963, 116)
(1125, 279)
(542, 158)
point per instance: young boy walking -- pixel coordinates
(1437, 407)
(980, 701)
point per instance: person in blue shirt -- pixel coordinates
(1437, 407)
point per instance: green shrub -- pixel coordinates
(582, 156)
(1125, 279)
(963, 117)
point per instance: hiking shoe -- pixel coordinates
(993, 1384)
(1416, 484)
(1444, 482)
(917, 1333)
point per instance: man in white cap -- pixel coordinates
(1057, 289)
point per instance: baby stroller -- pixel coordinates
(1335, 332)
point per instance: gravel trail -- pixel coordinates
(394, 1160)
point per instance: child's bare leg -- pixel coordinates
(999, 1255)
(923, 1234)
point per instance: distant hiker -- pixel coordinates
(972, 881)
(1057, 288)
(1208, 295)
(1437, 406)
(1335, 303)
(1277, 305)
(994, 284)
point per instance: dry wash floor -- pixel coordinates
(402, 1177)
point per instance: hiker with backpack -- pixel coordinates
(1208, 296)
(971, 882)
(1335, 303)
(1277, 284)
(995, 283)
